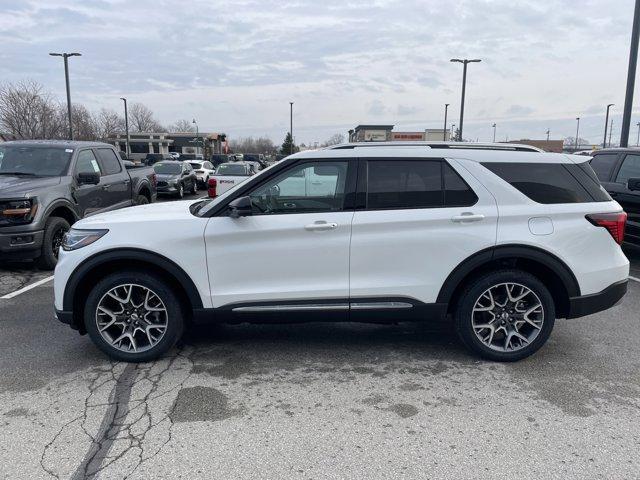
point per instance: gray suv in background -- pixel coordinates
(45, 186)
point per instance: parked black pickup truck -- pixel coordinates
(45, 186)
(618, 169)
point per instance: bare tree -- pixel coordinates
(83, 123)
(182, 126)
(253, 145)
(27, 111)
(334, 139)
(108, 123)
(141, 119)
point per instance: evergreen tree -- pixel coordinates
(288, 147)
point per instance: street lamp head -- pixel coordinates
(456, 60)
(474, 60)
(194, 121)
(494, 125)
(122, 98)
(610, 105)
(55, 54)
(74, 54)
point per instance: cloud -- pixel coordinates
(519, 110)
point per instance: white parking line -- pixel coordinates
(27, 288)
(634, 279)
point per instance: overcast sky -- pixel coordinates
(235, 65)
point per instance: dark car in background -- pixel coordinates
(176, 178)
(219, 158)
(153, 158)
(618, 169)
(47, 185)
(255, 157)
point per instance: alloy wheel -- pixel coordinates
(131, 318)
(507, 317)
(56, 241)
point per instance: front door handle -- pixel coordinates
(467, 217)
(320, 226)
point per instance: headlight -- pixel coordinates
(18, 211)
(75, 239)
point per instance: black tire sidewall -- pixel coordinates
(181, 191)
(472, 292)
(47, 259)
(142, 200)
(175, 316)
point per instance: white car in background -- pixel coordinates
(228, 175)
(204, 170)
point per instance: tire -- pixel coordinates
(181, 191)
(504, 318)
(142, 200)
(54, 228)
(173, 318)
(194, 188)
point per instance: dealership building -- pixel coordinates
(142, 143)
(385, 133)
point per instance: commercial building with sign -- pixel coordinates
(385, 133)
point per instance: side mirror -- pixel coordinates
(633, 184)
(240, 207)
(88, 178)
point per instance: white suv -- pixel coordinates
(502, 239)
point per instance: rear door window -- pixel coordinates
(109, 161)
(398, 184)
(630, 169)
(603, 165)
(551, 183)
(456, 191)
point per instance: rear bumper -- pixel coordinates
(597, 302)
(20, 245)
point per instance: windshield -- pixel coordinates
(251, 157)
(167, 168)
(40, 161)
(232, 169)
(196, 165)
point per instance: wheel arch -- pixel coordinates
(62, 209)
(90, 270)
(544, 265)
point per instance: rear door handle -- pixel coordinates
(467, 217)
(320, 226)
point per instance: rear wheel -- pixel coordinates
(141, 200)
(133, 316)
(194, 187)
(505, 315)
(54, 230)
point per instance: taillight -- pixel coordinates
(211, 188)
(614, 222)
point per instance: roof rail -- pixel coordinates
(513, 147)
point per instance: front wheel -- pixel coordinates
(505, 315)
(54, 231)
(133, 316)
(194, 187)
(180, 191)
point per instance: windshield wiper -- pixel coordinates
(18, 173)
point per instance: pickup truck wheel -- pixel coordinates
(54, 230)
(180, 191)
(133, 316)
(505, 315)
(141, 200)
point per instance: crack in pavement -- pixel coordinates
(131, 414)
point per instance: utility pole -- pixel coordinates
(66, 56)
(631, 77)
(606, 124)
(548, 132)
(291, 125)
(610, 132)
(197, 136)
(126, 126)
(444, 130)
(577, 132)
(494, 132)
(464, 63)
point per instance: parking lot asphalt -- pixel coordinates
(318, 401)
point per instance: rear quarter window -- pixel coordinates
(551, 183)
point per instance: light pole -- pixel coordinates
(66, 56)
(577, 131)
(606, 124)
(453, 132)
(291, 125)
(197, 136)
(610, 132)
(631, 77)
(126, 126)
(494, 132)
(464, 63)
(548, 132)
(444, 130)
(638, 139)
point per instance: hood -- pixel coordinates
(153, 212)
(21, 186)
(167, 176)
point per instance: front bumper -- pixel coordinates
(21, 245)
(597, 302)
(66, 318)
